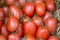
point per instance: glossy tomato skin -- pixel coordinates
(29, 37)
(10, 2)
(28, 9)
(12, 24)
(50, 5)
(2, 37)
(40, 9)
(51, 24)
(28, 28)
(37, 21)
(42, 33)
(4, 31)
(19, 31)
(47, 15)
(13, 37)
(14, 11)
(53, 38)
(2, 13)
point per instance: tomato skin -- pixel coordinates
(19, 31)
(42, 33)
(50, 5)
(53, 38)
(12, 24)
(2, 13)
(14, 11)
(28, 9)
(10, 2)
(1, 23)
(28, 28)
(29, 37)
(13, 37)
(4, 31)
(37, 1)
(51, 24)
(40, 9)
(37, 21)
(2, 37)
(47, 15)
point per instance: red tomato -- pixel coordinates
(2, 13)
(1, 23)
(37, 21)
(10, 2)
(40, 9)
(53, 38)
(37, 1)
(13, 37)
(28, 28)
(28, 9)
(42, 33)
(14, 11)
(47, 15)
(12, 24)
(51, 24)
(2, 37)
(4, 31)
(29, 37)
(19, 31)
(22, 2)
(50, 5)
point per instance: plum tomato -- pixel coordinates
(2, 37)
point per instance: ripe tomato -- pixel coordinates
(10, 2)
(28, 28)
(42, 33)
(53, 38)
(29, 37)
(28, 9)
(4, 31)
(37, 1)
(37, 21)
(40, 9)
(1, 23)
(13, 37)
(12, 24)
(19, 31)
(51, 24)
(2, 37)
(2, 13)
(14, 11)
(50, 5)
(47, 15)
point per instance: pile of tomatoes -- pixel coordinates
(28, 20)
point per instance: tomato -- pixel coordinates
(14, 11)
(22, 2)
(37, 1)
(51, 24)
(47, 15)
(2, 13)
(2, 37)
(40, 9)
(50, 5)
(28, 28)
(37, 21)
(1, 23)
(12, 24)
(42, 33)
(13, 37)
(29, 37)
(4, 31)
(28, 9)
(53, 38)
(9, 2)
(19, 30)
